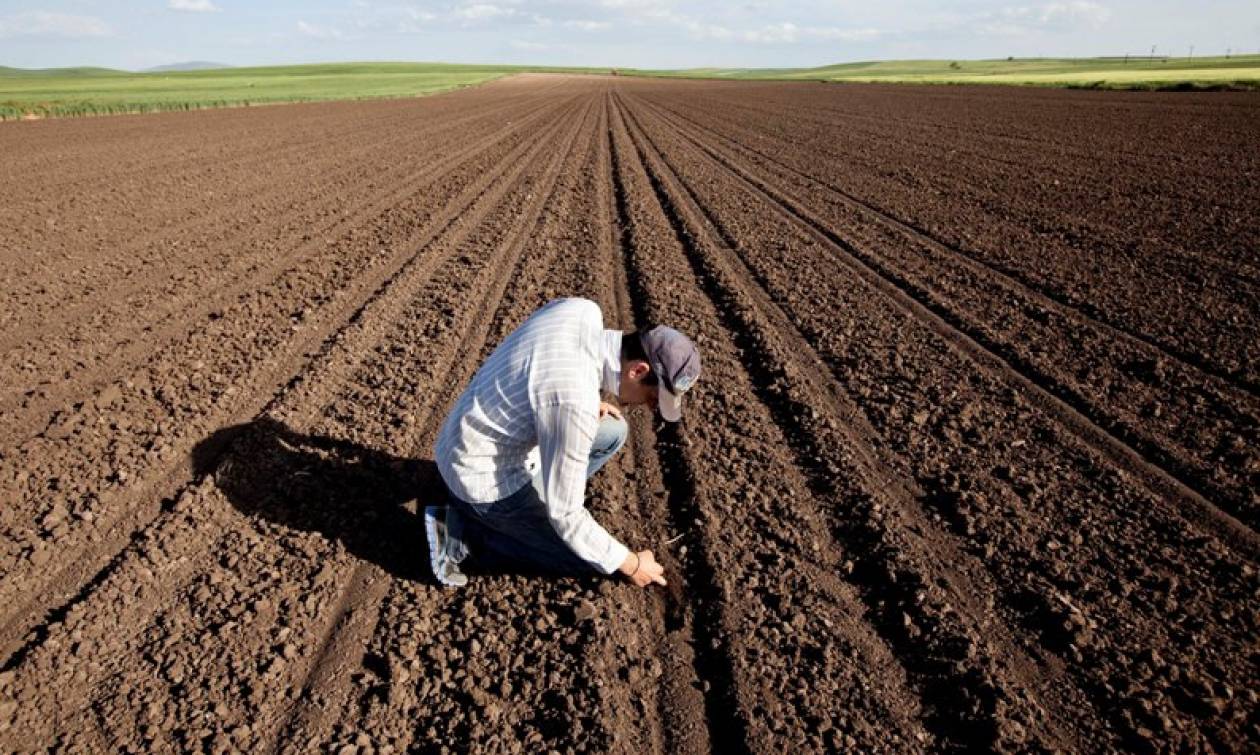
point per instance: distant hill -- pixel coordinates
(192, 65)
(57, 72)
(1115, 72)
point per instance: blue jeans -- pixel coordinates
(514, 533)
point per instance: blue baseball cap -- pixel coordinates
(676, 362)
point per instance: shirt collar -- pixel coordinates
(610, 377)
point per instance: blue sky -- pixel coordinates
(642, 33)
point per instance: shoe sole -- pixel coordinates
(437, 559)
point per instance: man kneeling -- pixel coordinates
(530, 429)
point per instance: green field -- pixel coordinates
(92, 91)
(1238, 71)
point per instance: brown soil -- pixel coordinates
(973, 464)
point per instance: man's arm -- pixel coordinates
(566, 432)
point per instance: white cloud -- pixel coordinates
(783, 33)
(1058, 16)
(393, 19)
(397, 18)
(193, 6)
(641, 12)
(491, 13)
(318, 32)
(1076, 13)
(482, 12)
(849, 35)
(587, 25)
(521, 44)
(415, 14)
(47, 24)
(634, 5)
(401, 19)
(773, 34)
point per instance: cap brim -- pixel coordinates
(670, 406)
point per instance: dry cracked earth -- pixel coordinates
(974, 464)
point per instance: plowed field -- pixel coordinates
(973, 464)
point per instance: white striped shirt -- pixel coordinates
(534, 404)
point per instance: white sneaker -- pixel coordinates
(445, 568)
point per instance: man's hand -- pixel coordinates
(606, 409)
(641, 568)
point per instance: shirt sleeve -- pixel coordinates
(566, 432)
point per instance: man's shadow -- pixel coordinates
(359, 496)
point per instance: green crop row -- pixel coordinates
(70, 92)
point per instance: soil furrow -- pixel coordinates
(343, 649)
(680, 721)
(982, 167)
(1057, 161)
(1013, 127)
(147, 494)
(1116, 395)
(694, 604)
(962, 490)
(173, 164)
(1045, 388)
(1144, 263)
(413, 632)
(141, 256)
(426, 633)
(685, 694)
(743, 652)
(946, 482)
(288, 388)
(1004, 274)
(387, 696)
(112, 143)
(964, 708)
(62, 211)
(150, 325)
(225, 470)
